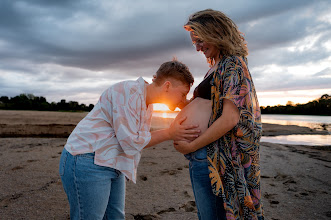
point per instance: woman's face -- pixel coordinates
(209, 50)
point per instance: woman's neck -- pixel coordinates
(218, 58)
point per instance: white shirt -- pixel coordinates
(117, 128)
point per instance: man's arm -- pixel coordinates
(176, 132)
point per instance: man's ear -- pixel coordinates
(166, 86)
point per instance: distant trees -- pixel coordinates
(31, 102)
(321, 106)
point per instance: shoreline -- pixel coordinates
(60, 125)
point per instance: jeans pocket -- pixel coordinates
(200, 155)
(63, 161)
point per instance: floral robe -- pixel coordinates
(233, 159)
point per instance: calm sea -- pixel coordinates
(311, 121)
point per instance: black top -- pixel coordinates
(203, 90)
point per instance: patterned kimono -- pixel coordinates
(233, 159)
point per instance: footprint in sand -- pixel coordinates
(294, 189)
(265, 177)
(166, 210)
(170, 172)
(18, 168)
(186, 194)
(189, 207)
(143, 177)
(287, 179)
(145, 217)
(328, 213)
(149, 163)
(280, 176)
(274, 202)
(271, 198)
(304, 194)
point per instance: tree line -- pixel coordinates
(321, 106)
(31, 102)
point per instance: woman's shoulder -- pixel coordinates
(230, 63)
(228, 59)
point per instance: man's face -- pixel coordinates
(176, 94)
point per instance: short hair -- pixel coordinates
(218, 29)
(175, 70)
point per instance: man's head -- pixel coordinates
(174, 70)
(175, 80)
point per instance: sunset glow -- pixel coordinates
(295, 96)
(160, 107)
(288, 62)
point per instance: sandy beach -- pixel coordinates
(295, 179)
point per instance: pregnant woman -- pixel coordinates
(224, 159)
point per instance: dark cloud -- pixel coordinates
(54, 45)
(288, 27)
(256, 9)
(43, 34)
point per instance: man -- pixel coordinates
(105, 147)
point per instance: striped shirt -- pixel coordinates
(117, 128)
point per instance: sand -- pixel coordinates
(295, 179)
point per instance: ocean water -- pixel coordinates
(312, 140)
(311, 121)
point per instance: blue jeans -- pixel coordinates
(210, 206)
(94, 192)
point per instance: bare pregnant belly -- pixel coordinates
(198, 112)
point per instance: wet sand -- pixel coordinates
(295, 179)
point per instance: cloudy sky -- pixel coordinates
(75, 49)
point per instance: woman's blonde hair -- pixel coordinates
(219, 30)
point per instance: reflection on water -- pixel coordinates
(311, 121)
(313, 140)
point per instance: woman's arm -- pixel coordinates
(228, 120)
